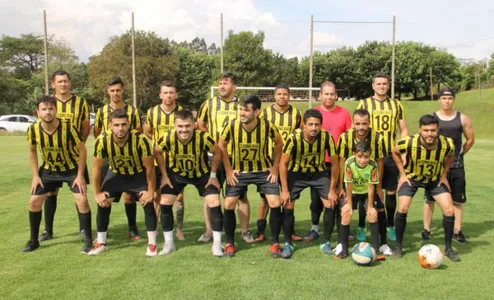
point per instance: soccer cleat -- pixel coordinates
(260, 237)
(179, 234)
(247, 237)
(275, 250)
(287, 251)
(361, 236)
(88, 245)
(459, 237)
(296, 238)
(386, 250)
(31, 246)
(151, 250)
(426, 235)
(204, 238)
(391, 234)
(230, 250)
(217, 250)
(336, 250)
(98, 249)
(45, 236)
(312, 235)
(451, 254)
(133, 235)
(167, 249)
(380, 256)
(341, 256)
(326, 248)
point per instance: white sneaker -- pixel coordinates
(217, 250)
(386, 250)
(337, 250)
(204, 238)
(99, 248)
(167, 249)
(151, 250)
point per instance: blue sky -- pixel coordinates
(465, 29)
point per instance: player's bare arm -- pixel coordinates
(148, 131)
(273, 171)
(379, 188)
(146, 197)
(371, 211)
(160, 159)
(100, 197)
(448, 162)
(333, 196)
(468, 133)
(348, 207)
(86, 128)
(80, 181)
(231, 175)
(201, 125)
(285, 193)
(214, 167)
(401, 169)
(403, 128)
(341, 185)
(97, 131)
(33, 162)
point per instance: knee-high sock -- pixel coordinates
(448, 225)
(275, 220)
(216, 218)
(381, 220)
(166, 217)
(391, 209)
(230, 223)
(329, 219)
(401, 223)
(103, 218)
(150, 217)
(316, 207)
(288, 224)
(361, 215)
(131, 212)
(81, 226)
(180, 217)
(85, 220)
(261, 226)
(344, 233)
(34, 223)
(50, 209)
(374, 227)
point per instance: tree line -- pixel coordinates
(195, 66)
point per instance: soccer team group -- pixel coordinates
(348, 162)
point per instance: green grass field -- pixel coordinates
(58, 270)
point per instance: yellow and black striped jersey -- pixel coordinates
(57, 149)
(422, 164)
(348, 140)
(218, 114)
(102, 118)
(187, 160)
(308, 157)
(126, 160)
(250, 149)
(286, 121)
(160, 121)
(384, 117)
(75, 110)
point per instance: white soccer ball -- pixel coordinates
(430, 256)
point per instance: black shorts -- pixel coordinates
(431, 187)
(257, 178)
(362, 199)
(458, 185)
(390, 174)
(221, 175)
(52, 180)
(318, 181)
(116, 184)
(179, 183)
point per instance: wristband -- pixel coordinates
(212, 175)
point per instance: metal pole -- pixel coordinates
(393, 59)
(480, 87)
(221, 49)
(311, 59)
(47, 88)
(430, 76)
(134, 95)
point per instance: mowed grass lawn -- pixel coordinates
(58, 270)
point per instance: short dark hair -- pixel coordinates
(168, 83)
(118, 114)
(251, 99)
(115, 80)
(59, 73)
(361, 112)
(230, 75)
(361, 147)
(184, 115)
(46, 99)
(428, 120)
(312, 113)
(282, 86)
(380, 75)
(328, 83)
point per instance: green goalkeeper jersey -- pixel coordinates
(361, 177)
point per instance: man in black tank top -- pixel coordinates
(452, 124)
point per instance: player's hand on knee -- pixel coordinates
(402, 180)
(372, 213)
(444, 181)
(145, 197)
(333, 197)
(80, 183)
(380, 195)
(231, 177)
(34, 185)
(285, 198)
(165, 180)
(214, 182)
(347, 209)
(273, 175)
(102, 199)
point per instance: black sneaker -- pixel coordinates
(31, 246)
(426, 235)
(45, 236)
(451, 254)
(459, 237)
(398, 252)
(88, 245)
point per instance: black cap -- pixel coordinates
(446, 92)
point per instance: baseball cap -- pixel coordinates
(446, 92)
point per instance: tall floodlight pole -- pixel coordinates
(221, 46)
(393, 59)
(47, 89)
(430, 76)
(311, 59)
(134, 95)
